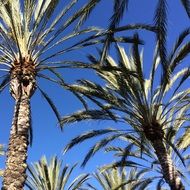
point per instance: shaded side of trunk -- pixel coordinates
(155, 134)
(169, 170)
(15, 172)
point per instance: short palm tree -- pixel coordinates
(148, 107)
(119, 179)
(53, 176)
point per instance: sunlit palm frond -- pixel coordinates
(147, 106)
(119, 179)
(43, 175)
(27, 29)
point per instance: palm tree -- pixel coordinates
(119, 179)
(31, 34)
(131, 98)
(132, 152)
(53, 176)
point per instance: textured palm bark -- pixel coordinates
(22, 87)
(170, 173)
(14, 175)
(155, 134)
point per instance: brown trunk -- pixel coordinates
(22, 87)
(155, 134)
(14, 175)
(170, 173)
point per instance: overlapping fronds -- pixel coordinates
(27, 28)
(129, 92)
(144, 104)
(43, 175)
(42, 32)
(120, 179)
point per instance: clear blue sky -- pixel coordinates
(48, 138)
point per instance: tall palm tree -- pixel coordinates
(53, 176)
(32, 37)
(131, 98)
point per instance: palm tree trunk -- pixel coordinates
(15, 172)
(170, 173)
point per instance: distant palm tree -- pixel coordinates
(119, 179)
(53, 176)
(32, 38)
(148, 107)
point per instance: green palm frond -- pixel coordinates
(183, 141)
(148, 107)
(178, 42)
(87, 11)
(119, 8)
(161, 23)
(120, 179)
(52, 105)
(27, 29)
(86, 136)
(86, 114)
(43, 175)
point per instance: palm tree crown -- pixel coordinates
(52, 176)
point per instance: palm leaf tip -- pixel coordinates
(186, 5)
(52, 105)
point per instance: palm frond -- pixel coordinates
(86, 136)
(43, 175)
(186, 5)
(52, 105)
(161, 24)
(99, 145)
(87, 11)
(85, 115)
(183, 142)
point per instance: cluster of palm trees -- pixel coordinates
(154, 110)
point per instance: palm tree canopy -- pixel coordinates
(53, 176)
(149, 107)
(27, 28)
(127, 91)
(121, 179)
